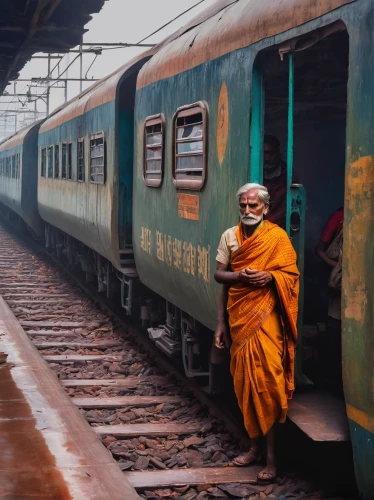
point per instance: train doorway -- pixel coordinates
(299, 105)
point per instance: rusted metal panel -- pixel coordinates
(358, 284)
(228, 27)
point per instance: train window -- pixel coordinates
(18, 161)
(50, 161)
(43, 166)
(57, 161)
(189, 159)
(69, 162)
(8, 167)
(97, 158)
(13, 158)
(63, 160)
(154, 133)
(81, 169)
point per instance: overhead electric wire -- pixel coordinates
(2, 112)
(175, 18)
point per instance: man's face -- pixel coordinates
(271, 156)
(251, 208)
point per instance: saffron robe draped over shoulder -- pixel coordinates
(263, 328)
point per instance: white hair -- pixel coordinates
(263, 193)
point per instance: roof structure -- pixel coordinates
(31, 26)
(241, 22)
(229, 25)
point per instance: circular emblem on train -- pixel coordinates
(222, 122)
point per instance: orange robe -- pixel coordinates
(263, 328)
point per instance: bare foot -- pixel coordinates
(252, 457)
(268, 475)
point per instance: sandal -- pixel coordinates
(243, 461)
(270, 479)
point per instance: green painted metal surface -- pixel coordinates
(176, 256)
(256, 173)
(358, 250)
(126, 134)
(290, 136)
(363, 452)
(156, 210)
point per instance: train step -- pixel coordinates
(321, 416)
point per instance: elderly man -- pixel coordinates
(257, 264)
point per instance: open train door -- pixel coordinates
(295, 195)
(299, 95)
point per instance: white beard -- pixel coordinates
(251, 220)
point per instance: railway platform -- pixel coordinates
(48, 451)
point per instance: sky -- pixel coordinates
(119, 21)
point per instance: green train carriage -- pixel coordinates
(301, 70)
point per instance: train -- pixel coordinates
(135, 178)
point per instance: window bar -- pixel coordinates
(291, 94)
(257, 128)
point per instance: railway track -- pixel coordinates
(169, 440)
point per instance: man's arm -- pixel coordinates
(222, 334)
(247, 276)
(225, 277)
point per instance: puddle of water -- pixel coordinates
(25, 456)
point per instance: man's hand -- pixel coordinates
(254, 277)
(222, 337)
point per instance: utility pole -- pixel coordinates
(48, 90)
(81, 69)
(55, 78)
(15, 118)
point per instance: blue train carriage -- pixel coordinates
(301, 70)
(18, 179)
(85, 177)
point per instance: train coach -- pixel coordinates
(85, 176)
(19, 178)
(137, 176)
(300, 70)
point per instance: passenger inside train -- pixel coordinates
(275, 180)
(329, 250)
(317, 80)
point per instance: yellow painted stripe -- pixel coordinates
(361, 418)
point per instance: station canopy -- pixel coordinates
(31, 26)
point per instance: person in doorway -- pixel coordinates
(256, 263)
(329, 250)
(275, 180)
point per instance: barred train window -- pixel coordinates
(57, 161)
(13, 157)
(190, 133)
(154, 133)
(18, 165)
(69, 162)
(81, 169)
(50, 161)
(8, 167)
(63, 160)
(43, 166)
(97, 158)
